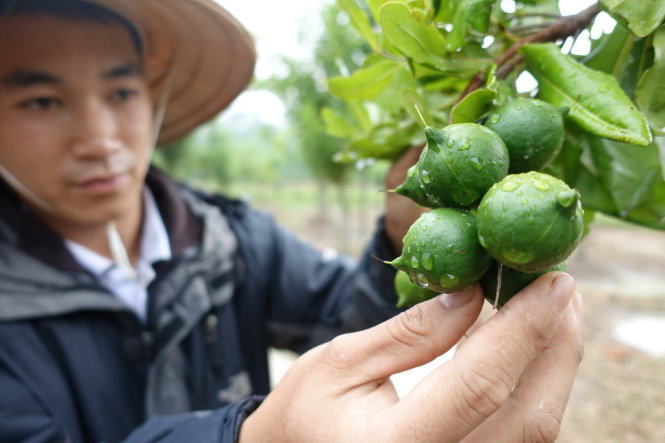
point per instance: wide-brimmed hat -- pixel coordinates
(194, 48)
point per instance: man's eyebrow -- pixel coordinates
(128, 69)
(22, 78)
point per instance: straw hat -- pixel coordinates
(198, 50)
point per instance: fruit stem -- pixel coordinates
(499, 275)
(422, 119)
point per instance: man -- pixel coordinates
(128, 302)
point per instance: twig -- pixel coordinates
(564, 27)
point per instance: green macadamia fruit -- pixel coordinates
(408, 292)
(530, 221)
(441, 251)
(533, 131)
(412, 187)
(509, 282)
(458, 165)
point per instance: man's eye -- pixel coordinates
(123, 94)
(41, 103)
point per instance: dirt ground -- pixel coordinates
(619, 394)
(620, 389)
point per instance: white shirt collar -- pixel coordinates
(154, 247)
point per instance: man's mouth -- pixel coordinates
(103, 184)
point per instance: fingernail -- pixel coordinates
(561, 291)
(456, 299)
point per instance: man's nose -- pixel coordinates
(95, 131)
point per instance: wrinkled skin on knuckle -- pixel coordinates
(339, 353)
(482, 389)
(544, 425)
(411, 327)
(533, 333)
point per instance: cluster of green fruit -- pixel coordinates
(495, 218)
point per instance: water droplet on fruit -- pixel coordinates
(428, 263)
(525, 201)
(476, 164)
(449, 248)
(495, 118)
(566, 198)
(510, 186)
(414, 262)
(541, 186)
(422, 281)
(450, 143)
(464, 146)
(482, 241)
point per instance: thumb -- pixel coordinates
(410, 339)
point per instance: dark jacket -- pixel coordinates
(77, 365)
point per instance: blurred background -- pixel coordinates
(270, 148)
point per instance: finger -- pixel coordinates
(535, 409)
(462, 393)
(410, 339)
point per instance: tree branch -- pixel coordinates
(562, 28)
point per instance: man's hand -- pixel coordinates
(401, 212)
(509, 382)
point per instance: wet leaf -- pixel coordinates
(643, 17)
(595, 100)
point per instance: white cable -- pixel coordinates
(23, 190)
(118, 250)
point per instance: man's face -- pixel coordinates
(75, 116)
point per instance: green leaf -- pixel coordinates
(421, 42)
(595, 100)
(650, 94)
(365, 83)
(643, 17)
(444, 10)
(626, 173)
(375, 6)
(361, 115)
(469, 12)
(386, 141)
(641, 59)
(652, 212)
(473, 106)
(360, 22)
(413, 103)
(337, 124)
(612, 54)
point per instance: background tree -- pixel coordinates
(304, 91)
